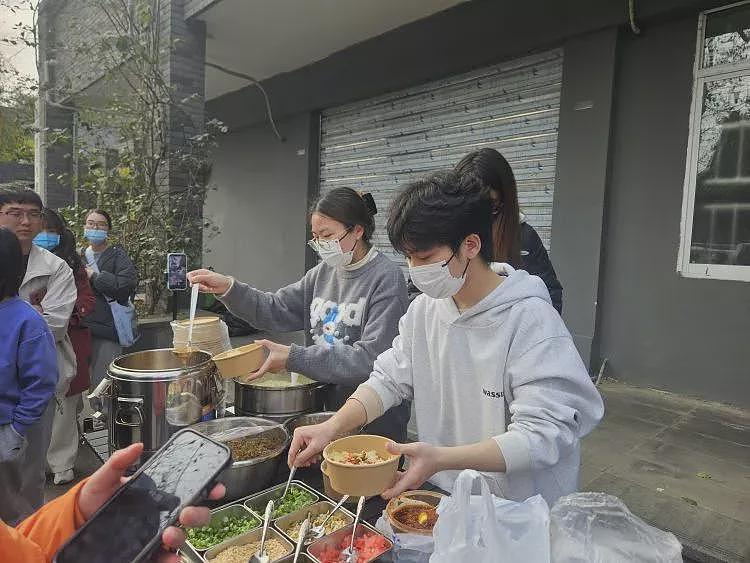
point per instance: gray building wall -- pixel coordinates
(66, 28)
(657, 328)
(260, 205)
(582, 159)
(620, 170)
(469, 35)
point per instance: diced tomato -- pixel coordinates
(330, 555)
(368, 547)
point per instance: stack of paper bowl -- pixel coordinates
(210, 334)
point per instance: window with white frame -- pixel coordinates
(715, 233)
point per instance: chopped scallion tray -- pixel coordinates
(222, 529)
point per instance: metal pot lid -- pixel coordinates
(284, 379)
(159, 365)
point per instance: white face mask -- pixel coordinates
(436, 279)
(330, 252)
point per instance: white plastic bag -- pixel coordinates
(407, 548)
(486, 529)
(599, 528)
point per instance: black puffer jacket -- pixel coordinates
(117, 279)
(535, 261)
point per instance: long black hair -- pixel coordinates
(492, 171)
(11, 264)
(67, 247)
(349, 207)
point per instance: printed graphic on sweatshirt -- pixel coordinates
(336, 323)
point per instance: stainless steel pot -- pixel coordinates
(245, 477)
(281, 403)
(308, 419)
(150, 395)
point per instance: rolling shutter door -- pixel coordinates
(381, 144)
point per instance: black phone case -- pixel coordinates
(149, 549)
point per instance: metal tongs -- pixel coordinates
(350, 555)
(320, 531)
(262, 556)
(301, 539)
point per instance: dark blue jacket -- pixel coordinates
(535, 260)
(28, 364)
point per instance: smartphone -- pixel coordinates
(177, 271)
(128, 527)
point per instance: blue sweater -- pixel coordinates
(28, 364)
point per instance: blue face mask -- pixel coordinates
(95, 236)
(48, 241)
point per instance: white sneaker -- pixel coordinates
(64, 477)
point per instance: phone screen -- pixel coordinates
(140, 511)
(177, 271)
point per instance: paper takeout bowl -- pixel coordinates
(419, 498)
(361, 480)
(240, 361)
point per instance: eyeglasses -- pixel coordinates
(18, 215)
(317, 243)
(96, 225)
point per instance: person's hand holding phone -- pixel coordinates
(108, 478)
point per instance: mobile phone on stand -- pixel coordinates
(177, 271)
(128, 527)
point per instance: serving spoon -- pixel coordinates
(350, 554)
(301, 539)
(261, 556)
(320, 531)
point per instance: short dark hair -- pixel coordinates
(349, 207)
(26, 197)
(11, 263)
(103, 214)
(442, 209)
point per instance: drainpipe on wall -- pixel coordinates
(40, 155)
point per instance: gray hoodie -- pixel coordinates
(506, 369)
(349, 317)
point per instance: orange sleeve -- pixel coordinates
(37, 539)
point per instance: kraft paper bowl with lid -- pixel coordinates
(361, 480)
(240, 361)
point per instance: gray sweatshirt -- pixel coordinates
(505, 369)
(349, 318)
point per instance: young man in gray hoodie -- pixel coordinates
(496, 382)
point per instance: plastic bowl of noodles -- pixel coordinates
(258, 447)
